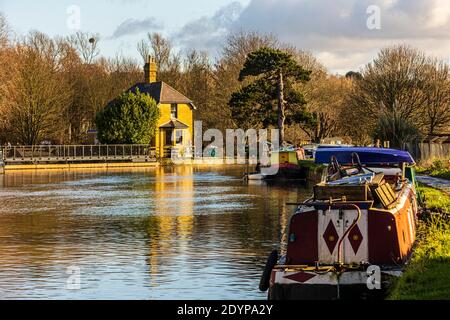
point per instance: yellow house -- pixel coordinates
(176, 124)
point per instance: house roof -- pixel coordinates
(174, 124)
(161, 92)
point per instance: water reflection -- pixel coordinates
(164, 233)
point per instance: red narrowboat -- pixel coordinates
(354, 234)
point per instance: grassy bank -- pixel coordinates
(314, 171)
(427, 277)
(435, 200)
(438, 169)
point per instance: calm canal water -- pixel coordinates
(165, 233)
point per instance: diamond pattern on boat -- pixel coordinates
(300, 277)
(331, 237)
(355, 237)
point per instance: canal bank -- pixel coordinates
(437, 183)
(204, 162)
(77, 166)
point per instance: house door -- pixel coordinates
(168, 138)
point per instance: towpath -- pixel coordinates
(438, 183)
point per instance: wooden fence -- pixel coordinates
(431, 148)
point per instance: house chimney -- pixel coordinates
(150, 70)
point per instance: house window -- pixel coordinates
(179, 137)
(174, 111)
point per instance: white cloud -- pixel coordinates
(133, 26)
(440, 14)
(336, 30)
(208, 33)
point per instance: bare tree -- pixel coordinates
(392, 83)
(197, 84)
(39, 98)
(326, 98)
(157, 46)
(435, 115)
(143, 47)
(8, 72)
(401, 82)
(174, 72)
(86, 44)
(4, 31)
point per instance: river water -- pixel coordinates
(163, 233)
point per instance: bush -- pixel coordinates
(130, 119)
(394, 128)
(437, 165)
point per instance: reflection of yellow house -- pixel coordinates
(176, 125)
(173, 216)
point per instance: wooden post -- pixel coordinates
(2, 158)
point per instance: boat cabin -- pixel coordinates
(284, 158)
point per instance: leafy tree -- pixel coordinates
(129, 119)
(276, 72)
(226, 74)
(353, 75)
(396, 129)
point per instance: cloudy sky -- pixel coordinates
(343, 34)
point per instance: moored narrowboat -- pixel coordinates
(354, 234)
(284, 165)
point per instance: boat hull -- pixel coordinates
(297, 285)
(381, 238)
(288, 171)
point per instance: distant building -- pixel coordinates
(335, 141)
(176, 124)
